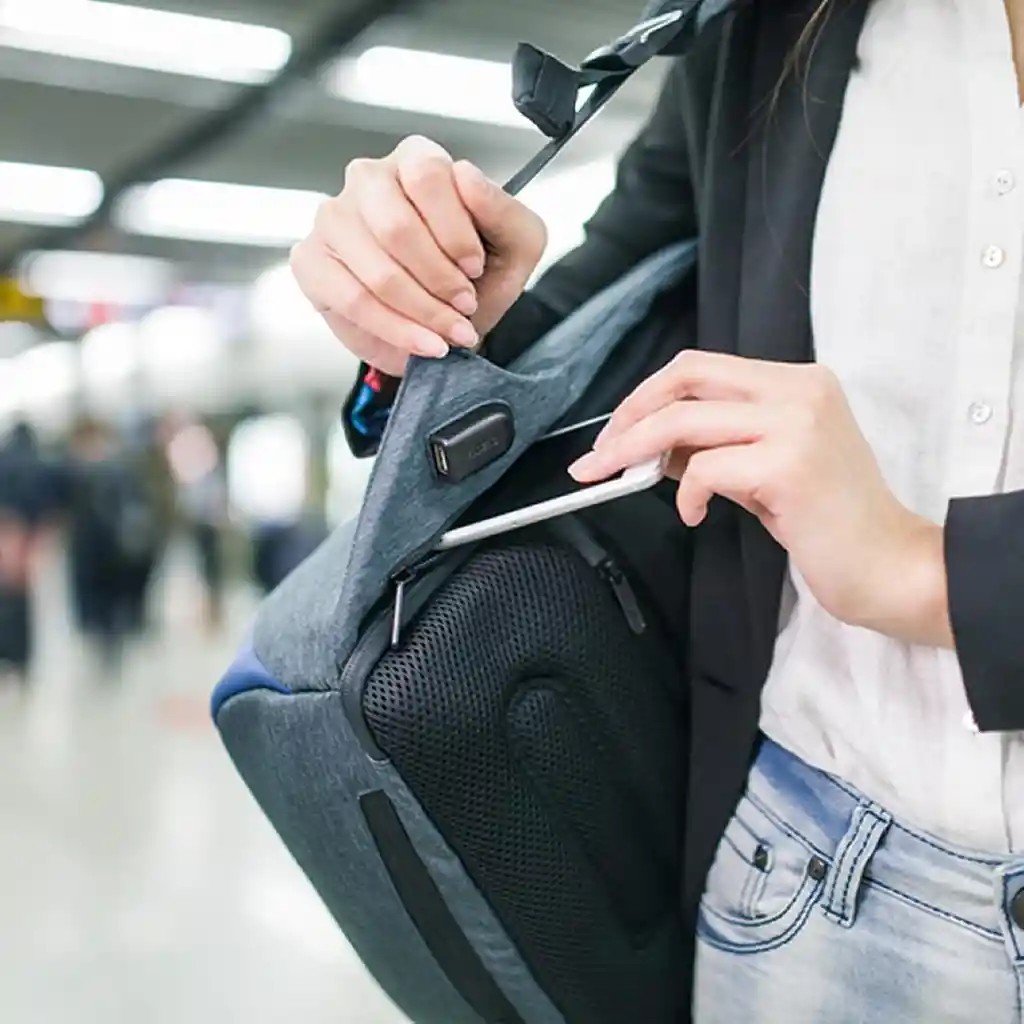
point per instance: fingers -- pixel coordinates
(732, 473)
(366, 347)
(425, 176)
(332, 287)
(397, 258)
(716, 376)
(386, 279)
(514, 230)
(374, 196)
(685, 424)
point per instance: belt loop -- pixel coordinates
(868, 825)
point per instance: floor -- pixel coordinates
(139, 883)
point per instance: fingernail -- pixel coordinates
(602, 434)
(431, 346)
(472, 267)
(582, 467)
(465, 303)
(464, 333)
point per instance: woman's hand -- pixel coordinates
(397, 262)
(781, 441)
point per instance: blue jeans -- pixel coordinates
(821, 908)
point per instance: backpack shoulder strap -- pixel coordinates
(561, 99)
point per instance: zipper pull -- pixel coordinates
(578, 536)
(401, 582)
(624, 594)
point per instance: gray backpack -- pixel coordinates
(478, 756)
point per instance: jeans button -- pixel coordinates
(1017, 909)
(818, 869)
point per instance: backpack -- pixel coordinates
(478, 755)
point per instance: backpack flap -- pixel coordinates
(310, 624)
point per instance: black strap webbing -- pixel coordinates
(436, 924)
(547, 91)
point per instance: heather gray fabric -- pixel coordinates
(309, 626)
(300, 758)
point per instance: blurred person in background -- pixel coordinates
(114, 537)
(197, 470)
(29, 497)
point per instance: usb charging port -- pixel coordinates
(440, 457)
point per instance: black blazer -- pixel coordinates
(718, 159)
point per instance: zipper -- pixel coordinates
(570, 530)
(624, 594)
(579, 537)
(401, 580)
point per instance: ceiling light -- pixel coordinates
(36, 194)
(139, 37)
(207, 211)
(566, 200)
(97, 277)
(429, 83)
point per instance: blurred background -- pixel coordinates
(170, 448)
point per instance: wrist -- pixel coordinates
(908, 594)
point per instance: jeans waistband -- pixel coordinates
(967, 885)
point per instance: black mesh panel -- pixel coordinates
(539, 734)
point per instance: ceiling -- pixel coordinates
(77, 113)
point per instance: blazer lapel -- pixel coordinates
(787, 157)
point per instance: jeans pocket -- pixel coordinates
(761, 887)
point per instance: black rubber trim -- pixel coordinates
(429, 912)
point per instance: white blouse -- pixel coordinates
(915, 303)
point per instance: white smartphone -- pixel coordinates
(631, 481)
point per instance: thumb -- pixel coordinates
(511, 228)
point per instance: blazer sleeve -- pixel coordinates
(652, 205)
(984, 547)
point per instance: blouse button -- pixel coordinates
(993, 257)
(980, 413)
(1005, 182)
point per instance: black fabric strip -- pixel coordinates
(423, 901)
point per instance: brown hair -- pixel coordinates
(804, 45)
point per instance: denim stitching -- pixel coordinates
(763, 922)
(927, 840)
(738, 818)
(1007, 918)
(846, 847)
(736, 849)
(869, 835)
(876, 826)
(768, 945)
(749, 893)
(788, 829)
(744, 900)
(850, 849)
(945, 915)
